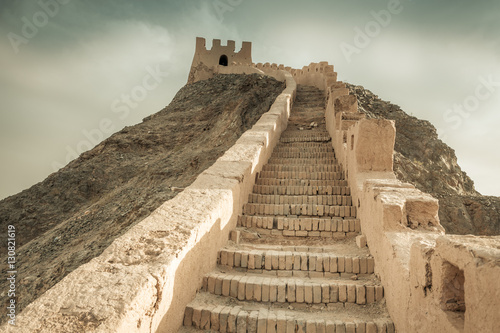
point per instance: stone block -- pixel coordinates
(361, 241)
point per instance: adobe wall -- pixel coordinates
(144, 279)
(429, 277)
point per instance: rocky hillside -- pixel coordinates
(74, 214)
(426, 162)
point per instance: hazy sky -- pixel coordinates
(74, 72)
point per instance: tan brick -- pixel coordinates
(342, 293)
(265, 289)
(249, 288)
(214, 318)
(350, 328)
(226, 285)
(299, 291)
(242, 322)
(262, 322)
(325, 293)
(355, 265)
(311, 326)
(339, 327)
(218, 285)
(319, 263)
(371, 327)
(360, 327)
(223, 319)
(282, 261)
(257, 289)
(258, 260)
(370, 294)
(281, 292)
(333, 264)
(211, 283)
(320, 326)
(231, 319)
(188, 316)
(273, 291)
(348, 265)
(244, 260)
(252, 321)
(275, 260)
(290, 325)
(381, 326)
(379, 293)
(341, 264)
(363, 267)
(242, 288)
(326, 263)
(268, 261)
(223, 257)
(303, 262)
(289, 261)
(351, 293)
(291, 291)
(330, 326)
(251, 260)
(317, 293)
(308, 293)
(300, 326)
(280, 322)
(312, 262)
(360, 295)
(271, 323)
(371, 265)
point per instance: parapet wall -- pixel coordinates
(433, 282)
(145, 278)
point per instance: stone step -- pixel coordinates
(306, 183)
(222, 314)
(302, 190)
(305, 139)
(302, 227)
(303, 144)
(330, 200)
(299, 209)
(302, 175)
(302, 168)
(261, 288)
(296, 263)
(324, 155)
(290, 149)
(302, 161)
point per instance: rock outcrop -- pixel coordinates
(74, 214)
(423, 160)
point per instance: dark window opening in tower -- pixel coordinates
(223, 60)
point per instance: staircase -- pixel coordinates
(295, 266)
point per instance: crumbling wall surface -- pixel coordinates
(144, 280)
(433, 282)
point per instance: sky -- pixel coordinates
(74, 72)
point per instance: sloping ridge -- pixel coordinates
(74, 214)
(423, 160)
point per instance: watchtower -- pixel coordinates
(207, 62)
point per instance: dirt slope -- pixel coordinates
(428, 163)
(74, 214)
